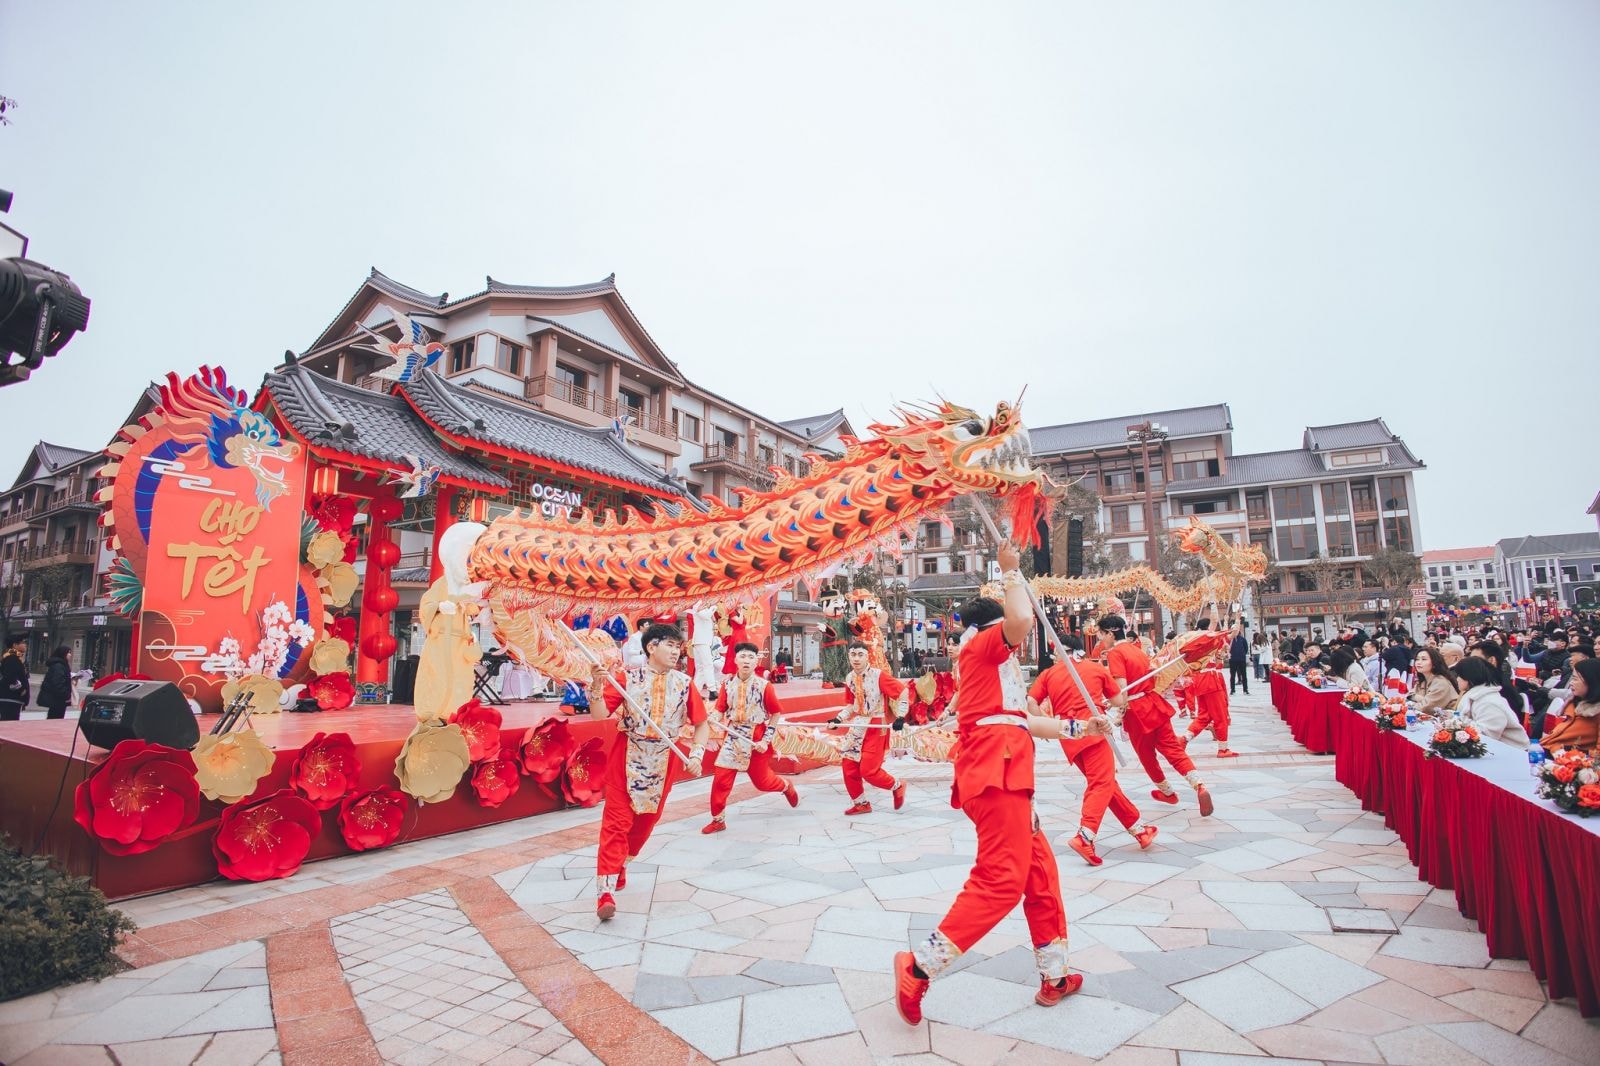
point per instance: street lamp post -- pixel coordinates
(1145, 432)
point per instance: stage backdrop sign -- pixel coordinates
(206, 507)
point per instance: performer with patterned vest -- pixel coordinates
(746, 709)
(642, 766)
(1210, 697)
(869, 692)
(1148, 720)
(994, 788)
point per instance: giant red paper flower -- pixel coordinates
(372, 819)
(342, 628)
(480, 726)
(333, 692)
(544, 750)
(141, 794)
(584, 781)
(337, 513)
(267, 839)
(495, 780)
(325, 770)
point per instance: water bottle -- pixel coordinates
(1535, 759)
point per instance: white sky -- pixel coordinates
(1315, 212)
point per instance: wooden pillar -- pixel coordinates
(444, 498)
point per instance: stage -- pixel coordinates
(42, 762)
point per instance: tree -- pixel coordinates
(1477, 601)
(51, 587)
(1445, 599)
(1395, 570)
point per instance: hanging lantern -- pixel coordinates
(479, 510)
(385, 508)
(385, 553)
(325, 481)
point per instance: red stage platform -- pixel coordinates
(41, 760)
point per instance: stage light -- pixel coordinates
(40, 311)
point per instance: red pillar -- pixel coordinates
(376, 644)
(444, 499)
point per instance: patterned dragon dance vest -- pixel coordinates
(665, 697)
(865, 707)
(745, 721)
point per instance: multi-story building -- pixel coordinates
(1464, 574)
(52, 557)
(1563, 569)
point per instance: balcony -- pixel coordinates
(562, 391)
(732, 460)
(62, 553)
(1216, 520)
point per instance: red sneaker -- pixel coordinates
(908, 988)
(859, 807)
(1163, 797)
(712, 826)
(1225, 753)
(1085, 848)
(1051, 993)
(605, 907)
(899, 795)
(1145, 837)
(791, 794)
(622, 879)
(1203, 794)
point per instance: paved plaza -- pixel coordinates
(1289, 927)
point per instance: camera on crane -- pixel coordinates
(40, 308)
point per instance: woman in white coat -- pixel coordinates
(1483, 704)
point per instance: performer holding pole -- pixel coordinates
(994, 788)
(1149, 717)
(659, 702)
(1210, 699)
(869, 691)
(748, 710)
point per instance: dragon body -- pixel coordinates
(1229, 569)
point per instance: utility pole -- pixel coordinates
(1143, 433)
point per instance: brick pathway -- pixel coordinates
(1288, 927)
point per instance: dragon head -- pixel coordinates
(976, 454)
(251, 440)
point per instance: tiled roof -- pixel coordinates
(410, 575)
(56, 456)
(1295, 464)
(815, 426)
(381, 426)
(474, 411)
(946, 583)
(1555, 544)
(384, 284)
(594, 288)
(1080, 436)
(1458, 555)
(1368, 434)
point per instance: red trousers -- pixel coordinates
(761, 776)
(1099, 765)
(1014, 862)
(1149, 725)
(1213, 714)
(623, 832)
(870, 769)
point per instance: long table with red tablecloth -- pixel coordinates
(1528, 872)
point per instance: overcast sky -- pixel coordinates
(1315, 212)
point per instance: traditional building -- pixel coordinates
(1563, 569)
(1464, 574)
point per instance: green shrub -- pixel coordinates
(54, 929)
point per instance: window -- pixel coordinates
(1477, 583)
(1541, 575)
(1461, 586)
(1087, 474)
(1569, 573)
(463, 354)
(728, 439)
(958, 565)
(1366, 538)
(932, 535)
(1397, 531)
(1357, 458)
(509, 358)
(1304, 582)
(1336, 498)
(1255, 503)
(688, 426)
(631, 400)
(1392, 491)
(1118, 480)
(767, 455)
(930, 564)
(1361, 497)
(1296, 542)
(1433, 571)
(1293, 501)
(1341, 539)
(1262, 541)
(1198, 468)
(1127, 519)
(1433, 586)
(575, 378)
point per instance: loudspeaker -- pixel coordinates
(154, 711)
(1075, 548)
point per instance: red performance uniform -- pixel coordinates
(869, 700)
(1210, 694)
(641, 767)
(746, 709)
(994, 788)
(1148, 719)
(1092, 755)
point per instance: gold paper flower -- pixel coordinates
(331, 656)
(326, 547)
(338, 583)
(229, 766)
(432, 762)
(265, 693)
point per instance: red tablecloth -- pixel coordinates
(1306, 710)
(1528, 873)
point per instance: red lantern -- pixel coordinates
(385, 509)
(385, 553)
(379, 645)
(382, 600)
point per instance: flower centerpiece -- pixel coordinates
(1391, 714)
(1456, 738)
(1359, 699)
(1314, 677)
(1571, 780)
(1280, 667)
(258, 676)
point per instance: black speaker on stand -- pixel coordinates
(1041, 565)
(154, 711)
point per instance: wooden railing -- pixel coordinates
(591, 400)
(71, 552)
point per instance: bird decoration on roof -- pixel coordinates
(412, 353)
(419, 480)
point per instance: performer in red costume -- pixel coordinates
(868, 692)
(642, 765)
(994, 788)
(1210, 697)
(1058, 694)
(1149, 717)
(746, 709)
(737, 635)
